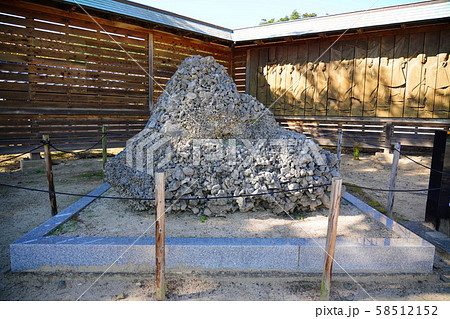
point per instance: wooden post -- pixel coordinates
(104, 146)
(336, 187)
(160, 237)
(49, 171)
(150, 73)
(388, 137)
(394, 170)
(339, 149)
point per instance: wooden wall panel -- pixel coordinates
(300, 78)
(289, 105)
(429, 68)
(372, 76)
(346, 77)
(359, 75)
(170, 50)
(334, 90)
(442, 94)
(272, 78)
(391, 74)
(385, 76)
(311, 78)
(414, 76)
(262, 75)
(399, 74)
(322, 69)
(64, 68)
(280, 79)
(252, 72)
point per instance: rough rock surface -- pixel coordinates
(211, 140)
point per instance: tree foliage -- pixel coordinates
(294, 16)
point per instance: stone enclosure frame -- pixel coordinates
(36, 252)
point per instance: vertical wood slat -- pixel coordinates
(385, 76)
(280, 82)
(271, 77)
(252, 71)
(334, 94)
(399, 74)
(321, 93)
(427, 87)
(261, 93)
(311, 78)
(414, 76)
(346, 77)
(442, 93)
(300, 77)
(359, 76)
(150, 72)
(290, 78)
(371, 82)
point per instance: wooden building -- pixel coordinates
(69, 67)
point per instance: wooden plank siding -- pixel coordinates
(64, 74)
(385, 74)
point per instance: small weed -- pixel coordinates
(39, 171)
(356, 151)
(354, 188)
(203, 219)
(65, 228)
(303, 215)
(91, 216)
(374, 204)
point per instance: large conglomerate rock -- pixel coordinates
(212, 141)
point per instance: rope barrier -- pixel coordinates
(430, 168)
(219, 197)
(168, 199)
(321, 135)
(11, 158)
(394, 190)
(70, 152)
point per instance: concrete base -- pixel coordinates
(35, 156)
(35, 252)
(438, 239)
(31, 166)
(387, 157)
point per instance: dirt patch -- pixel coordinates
(374, 171)
(115, 218)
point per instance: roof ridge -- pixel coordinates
(385, 8)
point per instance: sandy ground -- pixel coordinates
(374, 171)
(114, 218)
(21, 211)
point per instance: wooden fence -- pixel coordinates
(370, 133)
(64, 74)
(398, 74)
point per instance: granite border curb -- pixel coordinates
(37, 252)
